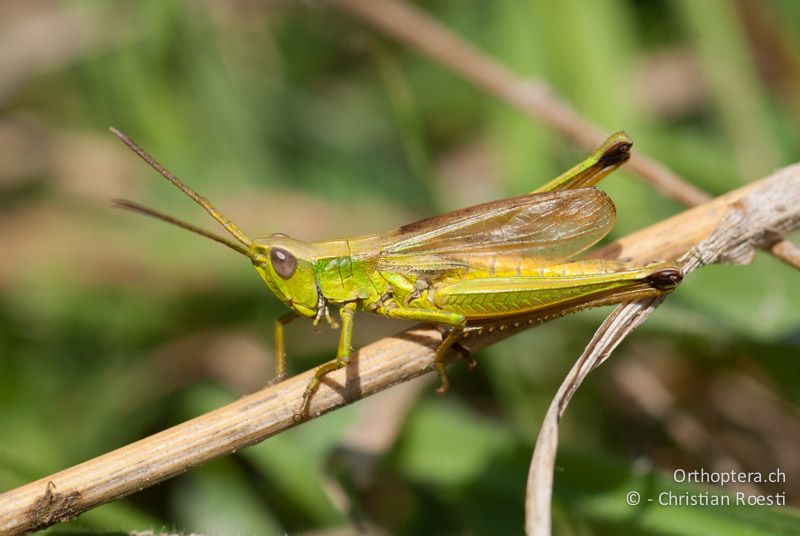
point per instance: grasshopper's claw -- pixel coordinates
(312, 388)
(302, 413)
(278, 378)
(444, 384)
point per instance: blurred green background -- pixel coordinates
(296, 117)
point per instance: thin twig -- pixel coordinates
(252, 419)
(424, 34)
(788, 252)
(741, 225)
(421, 32)
(539, 490)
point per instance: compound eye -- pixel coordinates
(283, 262)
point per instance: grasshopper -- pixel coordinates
(498, 264)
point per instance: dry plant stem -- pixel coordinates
(735, 226)
(788, 252)
(768, 208)
(421, 32)
(539, 489)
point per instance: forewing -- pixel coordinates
(545, 227)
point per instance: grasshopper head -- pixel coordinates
(287, 267)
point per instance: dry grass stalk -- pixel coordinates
(766, 209)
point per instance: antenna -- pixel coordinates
(147, 211)
(229, 226)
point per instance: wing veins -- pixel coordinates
(548, 227)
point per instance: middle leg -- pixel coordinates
(455, 321)
(347, 313)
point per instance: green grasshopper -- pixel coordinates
(500, 263)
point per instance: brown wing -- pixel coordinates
(547, 227)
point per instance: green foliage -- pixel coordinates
(299, 119)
